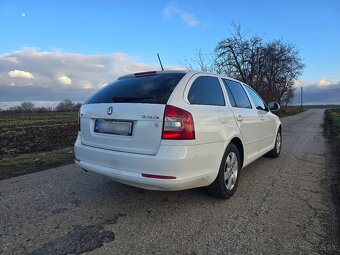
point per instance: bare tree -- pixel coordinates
(42, 109)
(65, 106)
(77, 106)
(201, 61)
(23, 107)
(16, 108)
(27, 106)
(270, 68)
(240, 58)
(288, 96)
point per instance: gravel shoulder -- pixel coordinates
(282, 205)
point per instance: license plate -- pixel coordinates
(113, 127)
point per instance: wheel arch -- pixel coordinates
(215, 189)
(238, 143)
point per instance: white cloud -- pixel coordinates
(99, 65)
(20, 74)
(64, 80)
(301, 83)
(314, 94)
(88, 85)
(323, 91)
(79, 75)
(9, 59)
(188, 18)
(324, 82)
(23, 15)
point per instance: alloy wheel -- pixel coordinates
(231, 171)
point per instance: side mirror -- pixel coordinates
(273, 106)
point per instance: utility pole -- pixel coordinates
(301, 96)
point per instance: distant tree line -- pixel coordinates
(269, 67)
(26, 107)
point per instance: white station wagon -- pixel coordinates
(175, 130)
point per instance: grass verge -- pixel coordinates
(332, 121)
(332, 131)
(288, 110)
(34, 162)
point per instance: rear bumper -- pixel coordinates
(181, 162)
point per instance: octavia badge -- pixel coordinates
(109, 110)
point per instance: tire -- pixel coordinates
(226, 181)
(275, 152)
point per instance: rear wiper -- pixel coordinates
(129, 99)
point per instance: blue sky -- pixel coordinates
(176, 29)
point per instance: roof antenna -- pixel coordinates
(160, 62)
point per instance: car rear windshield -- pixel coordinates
(152, 89)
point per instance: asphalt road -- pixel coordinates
(282, 206)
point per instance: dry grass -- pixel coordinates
(287, 111)
(332, 124)
(34, 162)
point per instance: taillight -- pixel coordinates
(178, 124)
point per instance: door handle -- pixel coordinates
(262, 117)
(239, 118)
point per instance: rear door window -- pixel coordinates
(206, 90)
(259, 104)
(152, 89)
(237, 95)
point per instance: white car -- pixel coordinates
(175, 130)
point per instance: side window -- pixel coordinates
(206, 90)
(237, 95)
(231, 97)
(259, 104)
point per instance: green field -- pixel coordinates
(31, 142)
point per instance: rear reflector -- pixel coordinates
(158, 176)
(178, 124)
(145, 73)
